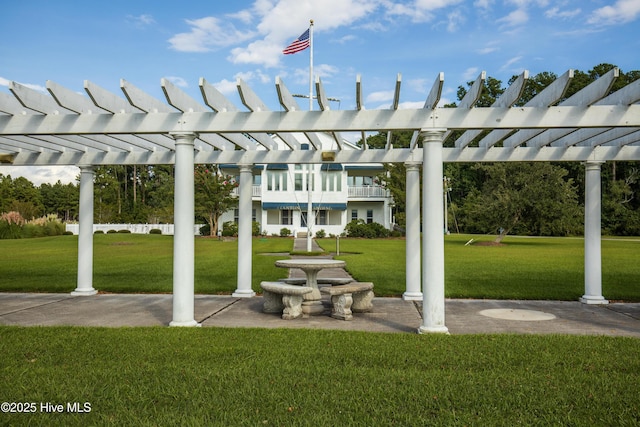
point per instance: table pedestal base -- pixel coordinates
(312, 308)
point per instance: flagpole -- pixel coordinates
(309, 166)
(310, 64)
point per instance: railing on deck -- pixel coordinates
(368, 191)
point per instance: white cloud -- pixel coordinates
(455, 19)
(470, 73)
(420, 10)
(39, 175)
(208, 34)
(226, 87)
(487, 50)
(178, 81)
(514, 19)
(483, 4)
(281, 22)
(381, 96)
(345, 39)
(555, 12)
(39, 88)
(621, 12)
(264, 52)
(508, 65)
(141, 21)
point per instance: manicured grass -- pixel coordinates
(522, 268)
(233, 377)
(131, 263)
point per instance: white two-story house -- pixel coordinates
(339, 194)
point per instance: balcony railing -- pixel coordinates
(256, 191)
(368, 191)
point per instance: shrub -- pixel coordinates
(68, 233)
(13, 226)
(255, 228)
(358, 228)
(98, 232)
(320, 234)
(285, 232)
(158, 231)
(111, 231)
(205, 230)
(124, 231)
(229, 228)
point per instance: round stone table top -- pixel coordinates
(310, 264)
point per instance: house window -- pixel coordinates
(369, 216)
(236, 215)
(276, 181)
(321, 217)
(331, 181)
(257, 179)
(286, 216)
(301, 178)
(298, 178)
(354, 214)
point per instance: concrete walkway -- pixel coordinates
(388, 315)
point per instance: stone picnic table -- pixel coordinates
(312, 303)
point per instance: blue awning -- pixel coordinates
(331, 167)
(277, 166)
(303, 206)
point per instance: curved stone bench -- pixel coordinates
(321, 280)
(352, 297)
(283, 298)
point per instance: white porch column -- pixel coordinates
(592, 235)
(432, 235)
(412, 242)
(183, 237)
(244, 234)
(85, 234)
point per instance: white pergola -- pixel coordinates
(102, 128)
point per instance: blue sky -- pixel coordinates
(143, 41)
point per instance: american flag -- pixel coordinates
(299, 44)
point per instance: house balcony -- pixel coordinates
(367, 191)
(255, 189)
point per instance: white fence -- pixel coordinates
(133, 228)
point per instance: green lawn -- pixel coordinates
(131, 263)
(523, 268)
(233, 377)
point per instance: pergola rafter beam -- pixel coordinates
(507, 99)
(471, 97)
(585, 97)
(255, 104)
(323, 102)
(430, 103)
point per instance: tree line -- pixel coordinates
(537, 198)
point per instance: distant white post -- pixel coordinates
(85, 234)
(412, 242)
(183, 237)
(592, 235)
(432, 235)
(244, 233)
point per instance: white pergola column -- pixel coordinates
(592, 235)
(183, 235)
(85, 234)
(412, 242)
(432, 235)
(245, 242)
